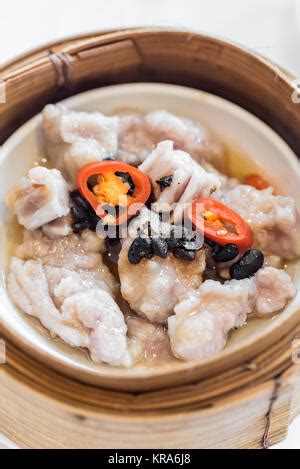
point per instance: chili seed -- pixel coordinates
(247, 265)
(225, 253)
(160, 247)
(222, 232)
(165, 182)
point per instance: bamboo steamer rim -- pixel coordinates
(60, 58)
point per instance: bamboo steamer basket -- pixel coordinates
(247, 402)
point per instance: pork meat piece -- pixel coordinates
(74, 139)
(273, 218)
(186, 135)
(59, 227)
(135, 142)
(188, 180)
(74, 252)
(148, 343)
(274, 288)
(80, 315)
(100, 315)
(153, 287)
(204, 317)
(64, 282)
(39, 198)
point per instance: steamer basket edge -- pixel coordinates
(131, 55)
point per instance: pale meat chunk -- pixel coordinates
(202, 321)
(134, 140)
(73, 252)
(148, 343)
(189, 180)
(74, 139)
(154, 286)
(39, 198)
(64, 282)
(138, 135)
(273, 218)
(100, 315)
(58, 228)
(186, 135)
(274, 289)
(87, 318)
(204, 317)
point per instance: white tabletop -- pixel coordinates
(271, 27)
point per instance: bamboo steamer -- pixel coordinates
(243, 404)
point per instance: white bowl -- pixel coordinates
(239, 129)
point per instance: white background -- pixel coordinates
(271, 27)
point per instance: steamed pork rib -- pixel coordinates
(74, 139)
(74, 252)
(204, 317)
(148, 343)
(85, 317)
(274, 288)
(186, 135)
(39, 198)
(63, 282)
(135, 142)
(154, 285)
(177, 178)
(58, 228)
(272, 218)
(101, 316)
(138, 135)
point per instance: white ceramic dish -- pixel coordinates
(236, 127)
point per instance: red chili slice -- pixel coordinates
(255, 180)
(114, 188)
(219, 223)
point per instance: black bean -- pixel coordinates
(141, 248)
(176, 235)
(83, 214)
(79, 226)
(112, 242)
(165, 182)
(247, 265)
(192, 245)
(225, 253)
(125, 177)
(172, 242)
(78, 213)
(160, 247)
(182, 253)
(79, 201)
(210, 243)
